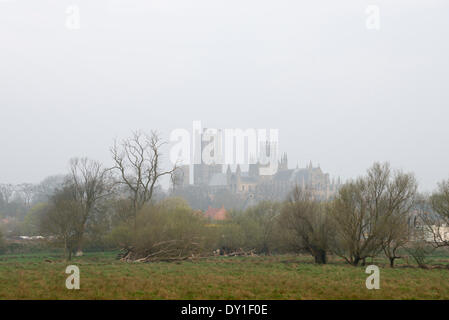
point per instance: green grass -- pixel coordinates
(30, 276)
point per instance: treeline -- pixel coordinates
(378, 214)
(98, 208)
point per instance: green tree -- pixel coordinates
(306, 223)
(166, 231)
(258, 224)
(30, 224)
(62, 220)
(367, 214)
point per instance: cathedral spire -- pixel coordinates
(283, 163)
(238, 171)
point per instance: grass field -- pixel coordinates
(30, 276)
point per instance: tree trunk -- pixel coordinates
(320, 257)
(79, 244)
(67, 251)
(135, 219)
(392, 261)
(65, 248)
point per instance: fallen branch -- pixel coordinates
(241, 253)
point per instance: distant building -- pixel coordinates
(251, 186)
(181, 176)
(428, 226)
(217, 214)
(203, 172)
(439, 234)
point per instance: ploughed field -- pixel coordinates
(102, 276)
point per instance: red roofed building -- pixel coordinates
(216, 213)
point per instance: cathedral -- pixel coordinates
(254, 187)
(250, 185)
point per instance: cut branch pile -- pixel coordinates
(241, 253)
(171, 250)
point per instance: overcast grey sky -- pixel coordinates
(341, 95)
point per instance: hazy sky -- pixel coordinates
(340, 94)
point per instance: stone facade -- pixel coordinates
(255, 187)
(250, 186)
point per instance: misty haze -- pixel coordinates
(230, 142)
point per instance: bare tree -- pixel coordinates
(46, 188)
(28, 192)
(138, 163)
(394, 207)
(176, 179)
(368, 213)
(396, 234)
(307, 221)
(91, 184)
(6, 192)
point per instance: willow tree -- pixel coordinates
(306, 223)
(370, 214)
(61, 219)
